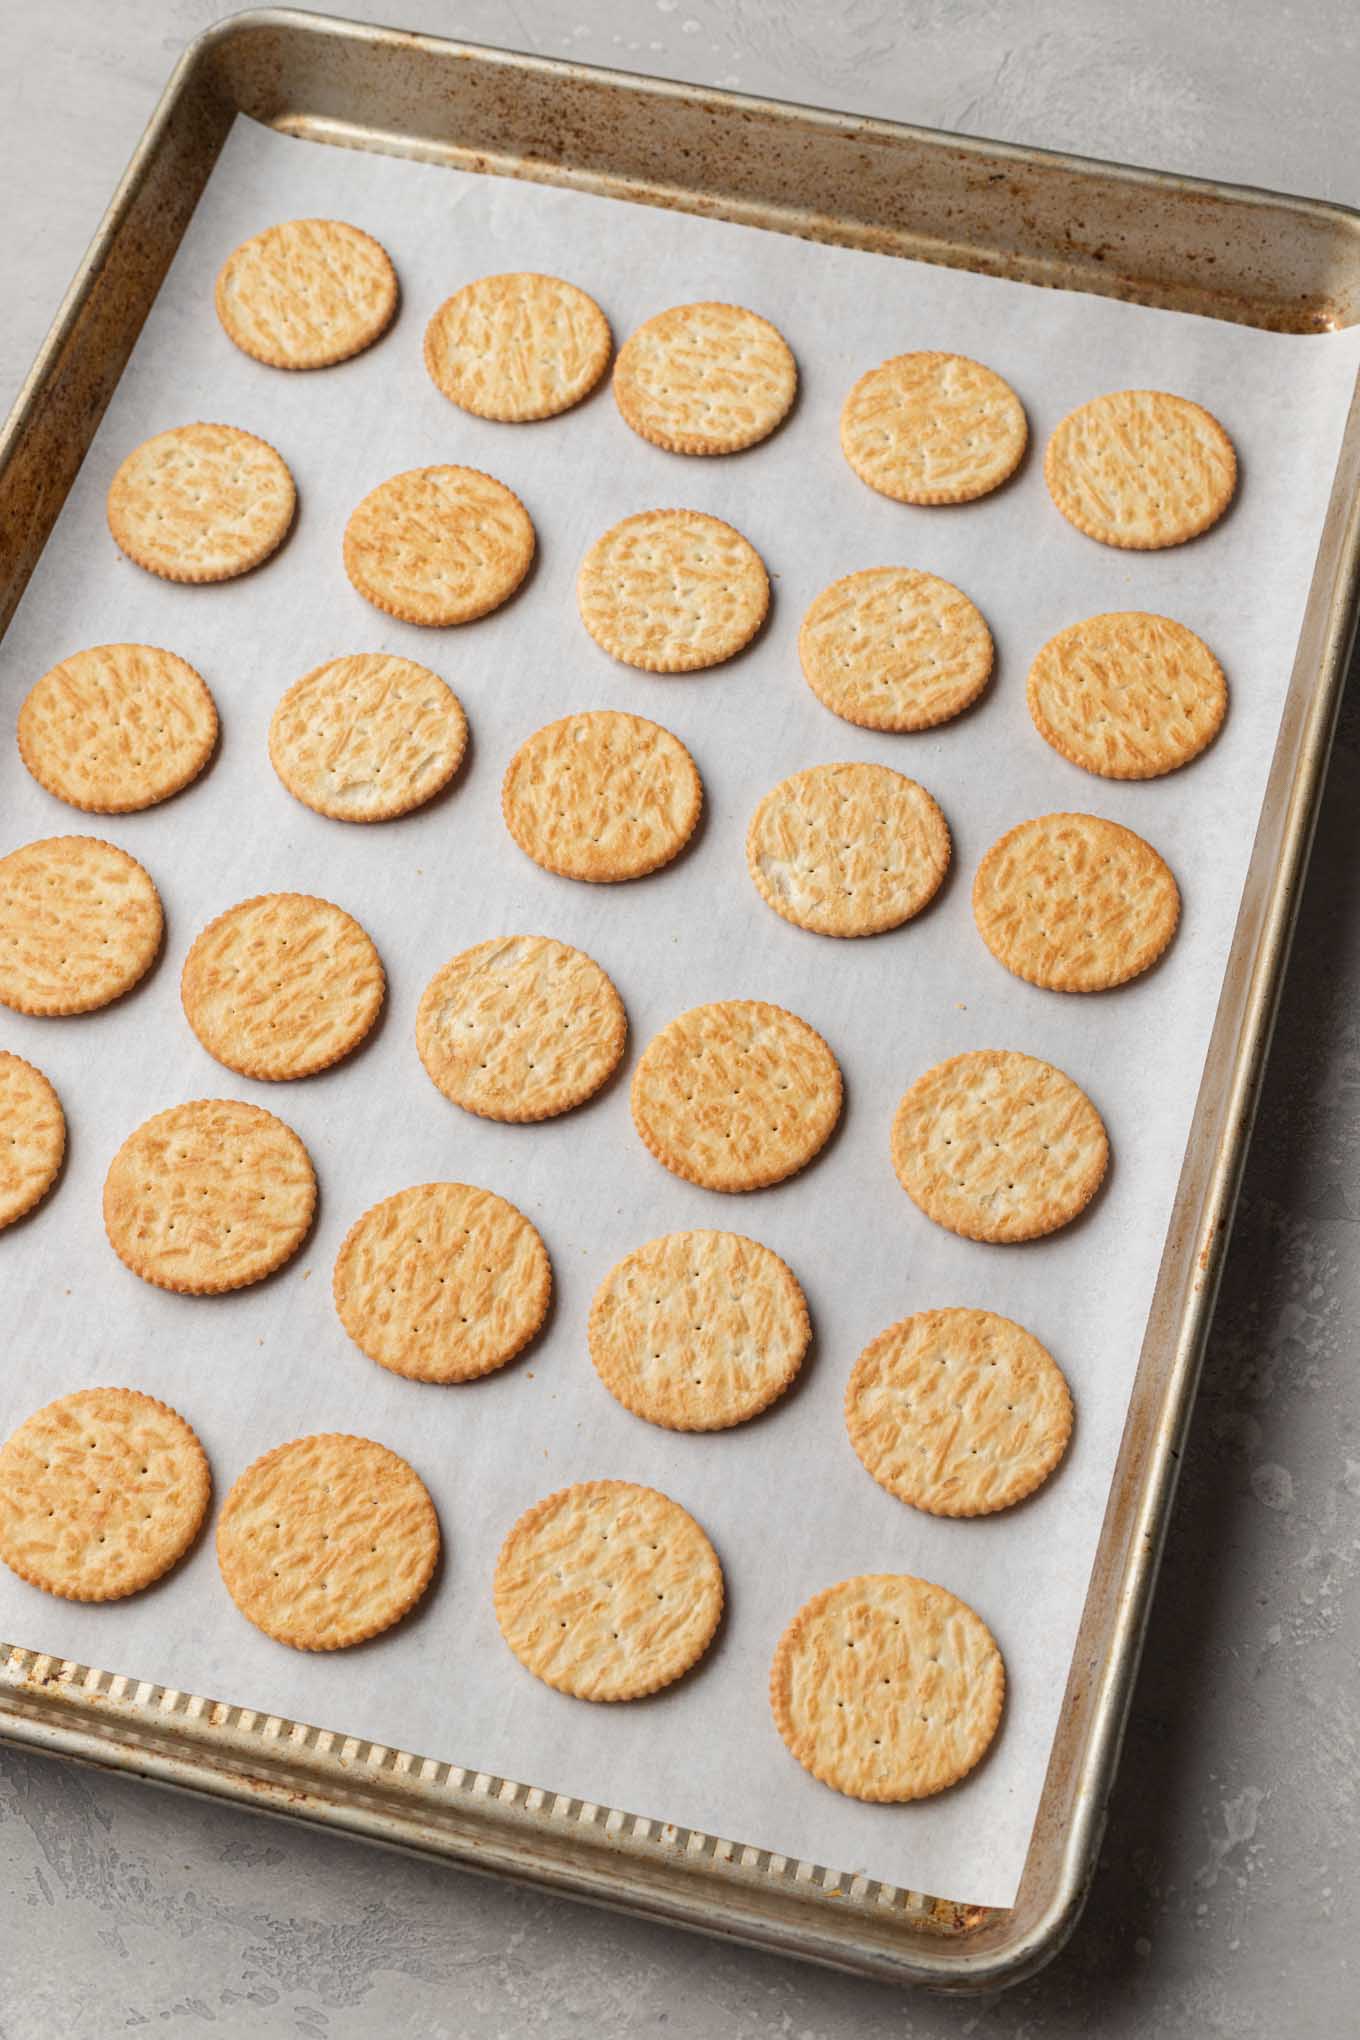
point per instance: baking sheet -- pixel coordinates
(784, 1498)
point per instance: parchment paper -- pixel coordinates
(784, 1498)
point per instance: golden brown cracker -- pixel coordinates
(439, 545)
(736, 1095)
(887, 1688)
(1127, 695)
(209, 1196)
(367, 737)
(282, 985)
(326, 1541)
(101, 1492)
(672, 591)
(80, 923)
(705, 378)
(1075, 903)
(602, 796)
(890, 648)
(608, 1591)
(117, 727)
(1141, 469)
(201, 503)
(933, 428)
(848, 849)
(32, 1137)
(997, 1145)
(517, 347)
(958, 1412)
(520, 1028)
(306, 293)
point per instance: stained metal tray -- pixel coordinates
(1286, 264)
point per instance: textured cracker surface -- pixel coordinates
(848, 849)
(887, 1688)
(933, 428)
(201, 503)
(1075, 903)
(306, 293)
(891, 648)
(80, 923)
(997, 1145)
(100, 1493)
(958, 1411)
(282, 985)
(1141, 469)
(117, 727)
(517, 347)
(209, 1196)
(32, 1137)
(367, 737)
(1127, 695)
(736, 1095)
(327, 1540)
(521, 1027)
(698, 1330)
(602, 796)
(438, 545)
(671, 591)
(608, 1591)
(705, 378)
(442, 1282)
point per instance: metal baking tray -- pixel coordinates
(1254, 257)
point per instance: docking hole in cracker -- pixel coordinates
(101, 1492)
(117, 727)
(442, 1282)
(736, 1095)
(602, 796)
(327, 1541)
(1141, 469)
(209, 1196)
(996, 1145)
(608, 1591)
(32, 1137)
(887, 1688)
(890, 648)
(80, 924)
(705, 378)
(201, 503)
(306, 293)
(933, 428)
(282, 986)
(517, 347)
(699, 1330)
(672, 591)
(1075, 903)
(848, 849)
(367, 737)
(1127, 695)
(958, 1412)
(438, 545)
(520, 1028)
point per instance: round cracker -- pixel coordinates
(699, 1331)
(848, 849)
(517, 347)
(887, 1688)
(958, 1412)
(438, 545)
(327, 1540)
(672, 591)
(201, 503)
(996, 1145)
(367, 737)
(602, 796)
(608, 1591)
(117, 728)
(282, 985)
(1141, 469)
(705, 378)
(306, 293)
(32, 1137)
(1075, 903)
(933, 428)
(890, 648)
(80, 923)
(520, 1028)
(1127, 695)
(736, 1095)
(209, 1196)
(442, 1282)
(101, 1493)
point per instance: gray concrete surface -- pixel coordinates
(1226, 1902)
